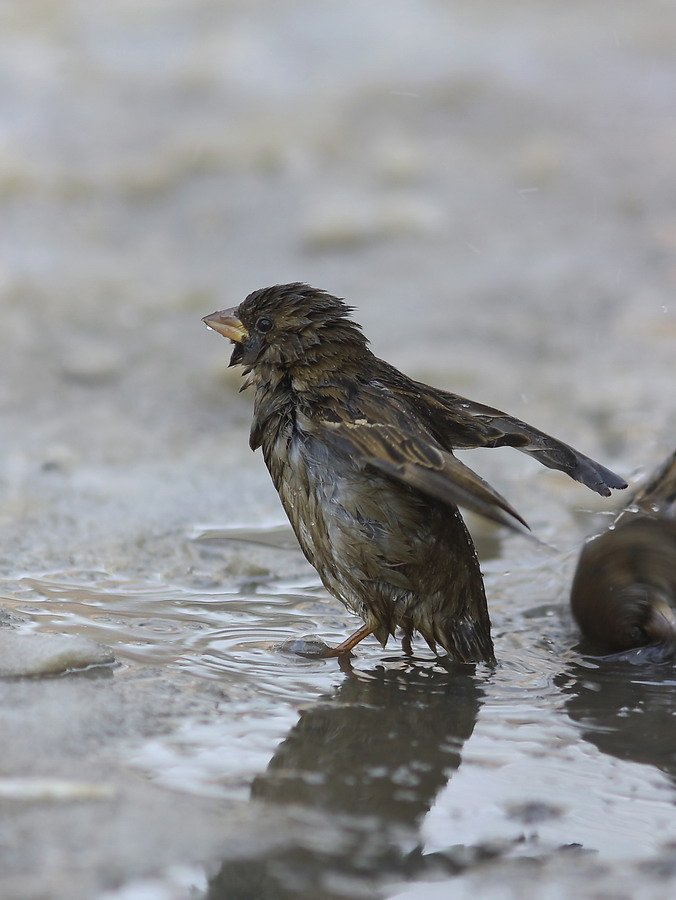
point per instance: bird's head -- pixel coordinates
(291, 327)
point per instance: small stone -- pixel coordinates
(34, 655)
(59, 458)
(310, 647)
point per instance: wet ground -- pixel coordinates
(492, 185)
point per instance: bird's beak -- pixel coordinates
(226, 323)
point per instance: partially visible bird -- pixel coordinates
(624, 590)
(362, 459)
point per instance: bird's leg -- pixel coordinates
(406, 644)
(312, 648)
(349, 643)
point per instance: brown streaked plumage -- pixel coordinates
(362, 458)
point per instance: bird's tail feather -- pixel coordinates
(465, 640)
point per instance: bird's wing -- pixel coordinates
(458, 423)
(421, 464)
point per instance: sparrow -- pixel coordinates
(362, 459)
(624, 589)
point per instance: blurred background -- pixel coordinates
(491, 183)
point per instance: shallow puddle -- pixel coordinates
(409, 765)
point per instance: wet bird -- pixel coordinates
(362, 459)
(624, 590)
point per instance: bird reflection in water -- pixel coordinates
(624, 709)
(365, 764)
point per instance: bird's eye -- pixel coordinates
(264, 324)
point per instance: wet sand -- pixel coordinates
(492, 186)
